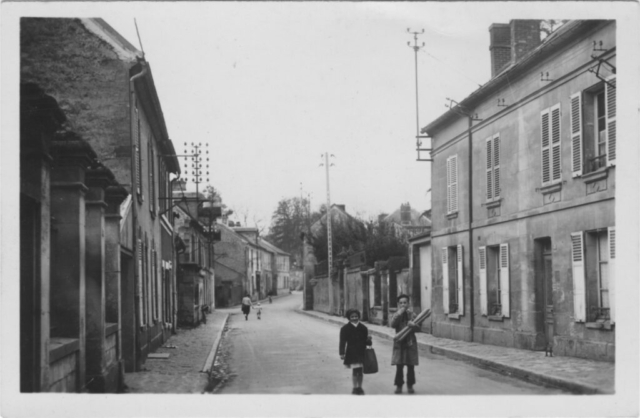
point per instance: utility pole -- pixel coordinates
(419, 138)
(463, 111)
(329, 237)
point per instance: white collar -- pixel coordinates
(356, 324)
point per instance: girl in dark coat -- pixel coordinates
(354, 339)
(405, 352)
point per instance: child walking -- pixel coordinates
(354, 339)
(405, 352)
(258, 309)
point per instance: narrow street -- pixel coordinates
(289, 353)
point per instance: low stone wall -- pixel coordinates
(63, 353)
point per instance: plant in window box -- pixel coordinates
(453, 307)
(496, 309)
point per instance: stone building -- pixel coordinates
(110, 301)
(529, 261)
(195, 275)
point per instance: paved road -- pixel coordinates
(289, 353)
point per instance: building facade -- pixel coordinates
(529, 261)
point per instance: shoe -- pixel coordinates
(360, 391)
(410, 389)
(398, 389)
(355, 391)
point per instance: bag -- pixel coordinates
(370, 361)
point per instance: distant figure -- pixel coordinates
(354, 339)
(258, 309)
(246, 306)
(405, 352)
(269, 294)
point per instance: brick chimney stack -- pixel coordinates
(500, 47)
(525, 36)
(510, 42)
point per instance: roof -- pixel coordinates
(554, 42)
(417, 218)
(269, 246)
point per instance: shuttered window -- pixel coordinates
(152, 182)
(551, 145)
(460, 281)
(142, 318)
(483, 280)
(136, 143)
(445, 279)
(610, 93)
(493, 167)
(576, 135)
(452, 184)
(577, 265)
(612, 273)
(504, 280)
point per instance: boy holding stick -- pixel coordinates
(405, 350)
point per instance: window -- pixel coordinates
(551, 155)
(593, 128)
(142, 313)
(152, 183)
(593, 265)
(166, 275)
(494, 280)
(493, 167)
(452, 280)
(452, 184)
(137, 145)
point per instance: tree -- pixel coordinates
(382, 242)
(288, 221)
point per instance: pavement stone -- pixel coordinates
(568, 373)
(185, 371)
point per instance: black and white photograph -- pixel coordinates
(394, 208)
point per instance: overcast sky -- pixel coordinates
(271, 87)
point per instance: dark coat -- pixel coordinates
(353, 342)
(406, 351)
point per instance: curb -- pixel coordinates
(512, 371)
(208, 364)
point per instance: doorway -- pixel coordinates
(545, 318)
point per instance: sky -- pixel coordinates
(272, 87)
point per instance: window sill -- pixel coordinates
(454, 315)
(493, 204)
(594, 176)
(452, 215)
(605, 326)
(551, 188)
(496, 318)
(62, 347)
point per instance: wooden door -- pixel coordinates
(549, 314)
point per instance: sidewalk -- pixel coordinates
(186, 370)
(568, 373)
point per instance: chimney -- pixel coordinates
(525, 36)
(405, 214)
(341, 207)
(499, 46)
(510, 42)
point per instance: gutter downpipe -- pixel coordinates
(134, 205)
(472, 312)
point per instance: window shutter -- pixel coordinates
(454, 183)
(504, 280)
(489, 169)
(483, 280)
(546, 147)
(610, 111)
(577, 262)
(136, 141)
(139, 284)
(612, 273)
(556, 160)
(152, 185)
(460, 282)
(496, 166)
(445, 280)
(576, 134)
